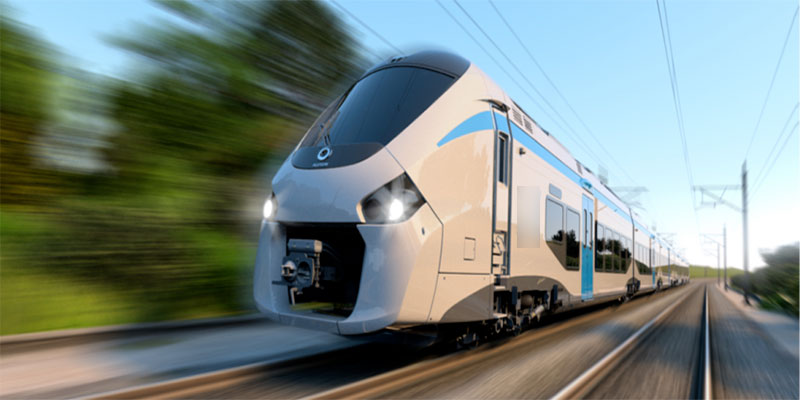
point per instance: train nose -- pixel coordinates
(342, 246)
(319, 195)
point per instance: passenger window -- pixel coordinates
(554, 222)
(573, 242)
(598, 259)
(617, 252)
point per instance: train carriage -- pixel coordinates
(424, 196)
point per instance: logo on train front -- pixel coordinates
(324, 153)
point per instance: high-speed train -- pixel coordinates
(425, 196)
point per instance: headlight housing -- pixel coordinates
(392, 202)
(270, 207)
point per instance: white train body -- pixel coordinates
(449, 215)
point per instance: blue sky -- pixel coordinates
(607, 59)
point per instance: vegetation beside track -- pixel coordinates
(138, 197)
(700, 271)
(776, 284)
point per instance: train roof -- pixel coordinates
(455, 66)
(440, 61)
(527, 123)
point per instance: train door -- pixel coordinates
(587, 249)
(501, 212)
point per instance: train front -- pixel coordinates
(348, 242)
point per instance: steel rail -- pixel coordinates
(707, 352)
(583, 382)
(135, 328)
(426, 370)
(190, 386)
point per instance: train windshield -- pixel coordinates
(378, 107)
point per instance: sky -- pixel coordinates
(607, 59)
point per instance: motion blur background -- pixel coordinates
(136, 197)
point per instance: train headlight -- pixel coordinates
(270, 207)
(393, 202)
(396, 209)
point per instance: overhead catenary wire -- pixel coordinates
(777, 141)
(669, 55)
(525, 78)
(505, 71)
(771, 83)
(666, 39)
(558, 92)
(364, 24)
(773, 161)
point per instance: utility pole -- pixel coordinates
(725, 254)
(708, 190)
(746, 285)
(717, 264)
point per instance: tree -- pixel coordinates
(27, 75)
(777, 283)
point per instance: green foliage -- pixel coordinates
(160, 227)
(777, 283)
(699, 271)
(26, 79)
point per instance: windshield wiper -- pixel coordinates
(326, 128)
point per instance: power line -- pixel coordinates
(463, 28)
(364, 24)
(775, 146)
(555, 87)
(667, 41)
(510, 76)
(774, 160)
(524, 77)
(771, 83)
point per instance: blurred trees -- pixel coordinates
(777, 284)
(27, 76)
(167, 215)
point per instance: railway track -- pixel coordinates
(640, 345)
(682, 352)
(391, 384)
(363, 371)
(20, 343)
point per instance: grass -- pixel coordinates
(41, 294)
(34, 300)
(699, 271)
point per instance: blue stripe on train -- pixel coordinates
(483, 121)
(478, 122)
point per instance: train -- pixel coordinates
(424, 197)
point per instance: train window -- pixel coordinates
(598, 259)
(554, 222)
(626, 259)
(608, 250)
(617, 252)
(502, 151)
(573, 239)
(378, 107)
